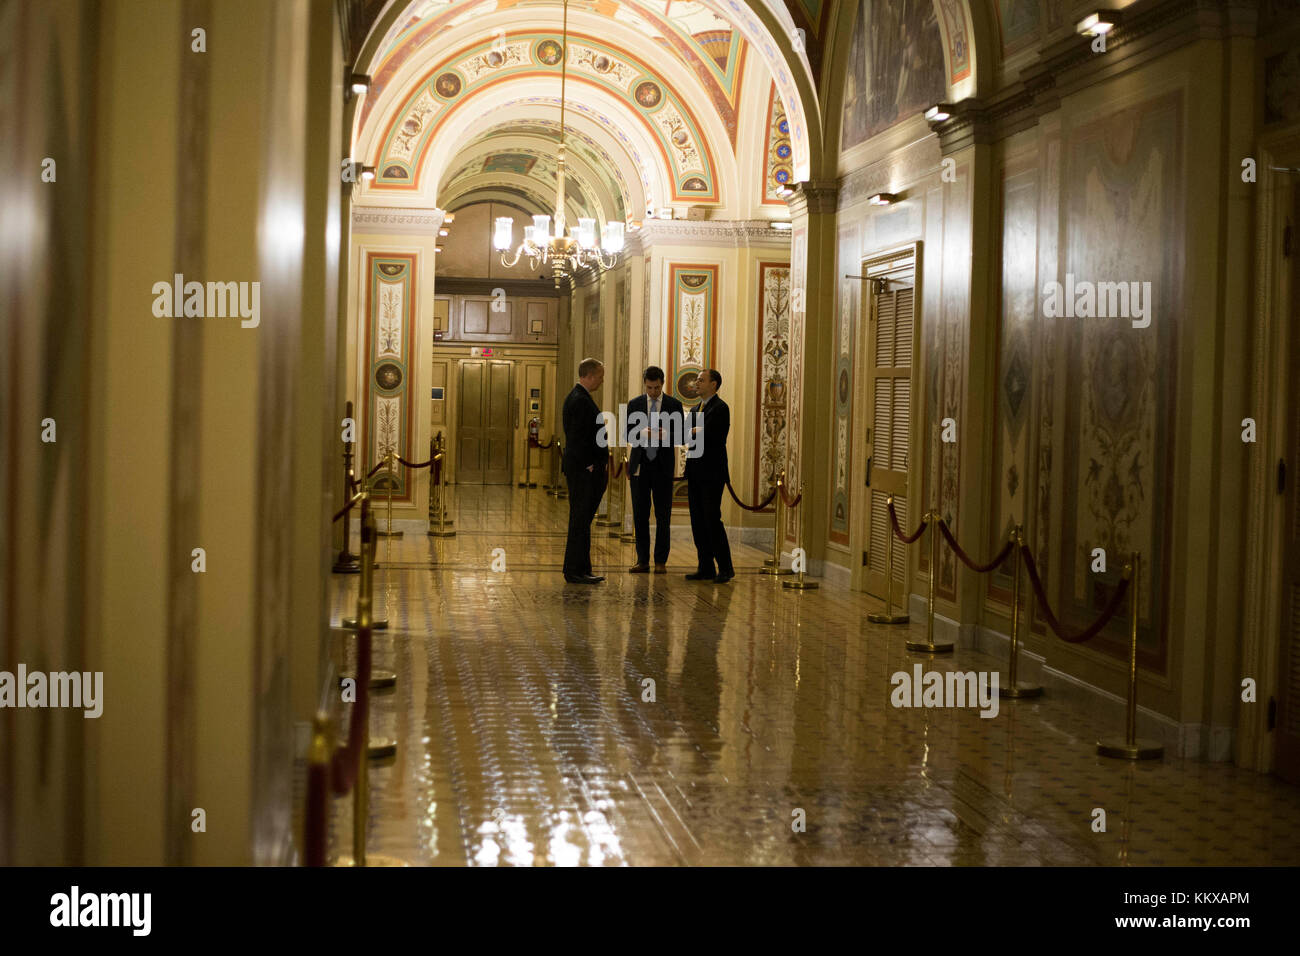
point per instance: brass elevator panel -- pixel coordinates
(485, 421)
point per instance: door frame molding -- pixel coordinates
(881, 262)
(1264, 543)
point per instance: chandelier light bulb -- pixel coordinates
(541, 228)
(504, 233)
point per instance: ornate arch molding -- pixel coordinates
(456, 81)
(769, 32)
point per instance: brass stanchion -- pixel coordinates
(1131, 748)
(528, 465)
(392, 481)
(347, 562)
(558, 490)
(438, 507)
(1016, 689)
(889, 617)
(929, 646)
(799, 584)
(353, 623)
(616, 524)
(772, 565)
(623, 534)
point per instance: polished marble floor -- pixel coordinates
(527, 734)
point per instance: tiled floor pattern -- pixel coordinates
(524, 736)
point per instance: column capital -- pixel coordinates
(813, 196)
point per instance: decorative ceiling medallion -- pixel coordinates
(686, 381)
(392, 268)
(694, 281)
(648, 95)
(447, 85)
(549, 52)
(494, 58)
(388, 376)
(601, 63)
(394, 172)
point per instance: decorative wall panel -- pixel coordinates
(798, 314)
(773, 372)
(845, 335)
(390, 322)
(778, 157)
(1122, 186)
(692, 314)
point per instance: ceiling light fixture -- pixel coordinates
(938, 113)
(368, 173)
(566, 254)
(360, 84)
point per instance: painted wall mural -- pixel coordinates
(1123, 182)
(387, 423)
(798, 315)
(896, 66)
(845, 333)
(453, 83)
(692, 317)
(773, 372)
(778, 168)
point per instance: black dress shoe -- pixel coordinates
(723, 578)
(594, 578)
(699, 576)
(582, 579)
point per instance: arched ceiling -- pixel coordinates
(652, 102)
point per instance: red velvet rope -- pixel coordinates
(614, 469)
(758, 507)
(966, 559)
(374, 471)
(347, 507)
(898, 532)
(411, 464)
(1095, 628)
(538, 444)
(789, 503)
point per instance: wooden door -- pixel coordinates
(1286, 759)
(890, 358)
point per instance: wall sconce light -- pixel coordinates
(443, 232)
(883, 199)
(938, 113)
(437, 248)
(449, 218)
(368, 173)
(352, 171)
(1097, 23)
(360, 84)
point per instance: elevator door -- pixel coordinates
(485, 423)
(891, 343)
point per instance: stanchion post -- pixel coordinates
(799, 584)
(772, 565)
(1131, 748)
(392, 482)
(929, 646)
(347, 562)
(354, 623)
(1016, 689)
(439, 507)
(889, 617)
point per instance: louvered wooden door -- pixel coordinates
(1286, 760)
(889, 389)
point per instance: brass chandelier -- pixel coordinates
(566, 254)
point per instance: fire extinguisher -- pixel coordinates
(534, 429)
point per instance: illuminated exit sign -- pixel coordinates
(478, 352)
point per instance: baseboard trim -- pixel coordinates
(1212, 744)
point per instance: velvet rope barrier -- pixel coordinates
(374, 471)
(789, 503)
(537, 444)
(347, 507)
(966, 559)
(1095, 628)
(412, 464)
(758, 507)
(898, 532)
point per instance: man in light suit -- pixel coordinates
(585, 470)
(706, 480)
(650, 467)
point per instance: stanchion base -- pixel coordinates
(925, 647)
(379, 680)
(768, 562)
(347, 563)
(800, 585)
(350, 624)
(373, 859)
(768, 569)
(1141, 749)
(888, 618)
(1020, 691)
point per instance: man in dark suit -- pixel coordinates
(585, 464)
(650, 466)
(706, 479)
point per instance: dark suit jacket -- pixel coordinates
(581, 426)
(712, 464)
(665, 458)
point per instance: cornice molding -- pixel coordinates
(813, 197)
(734, 233)
(396, 219)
